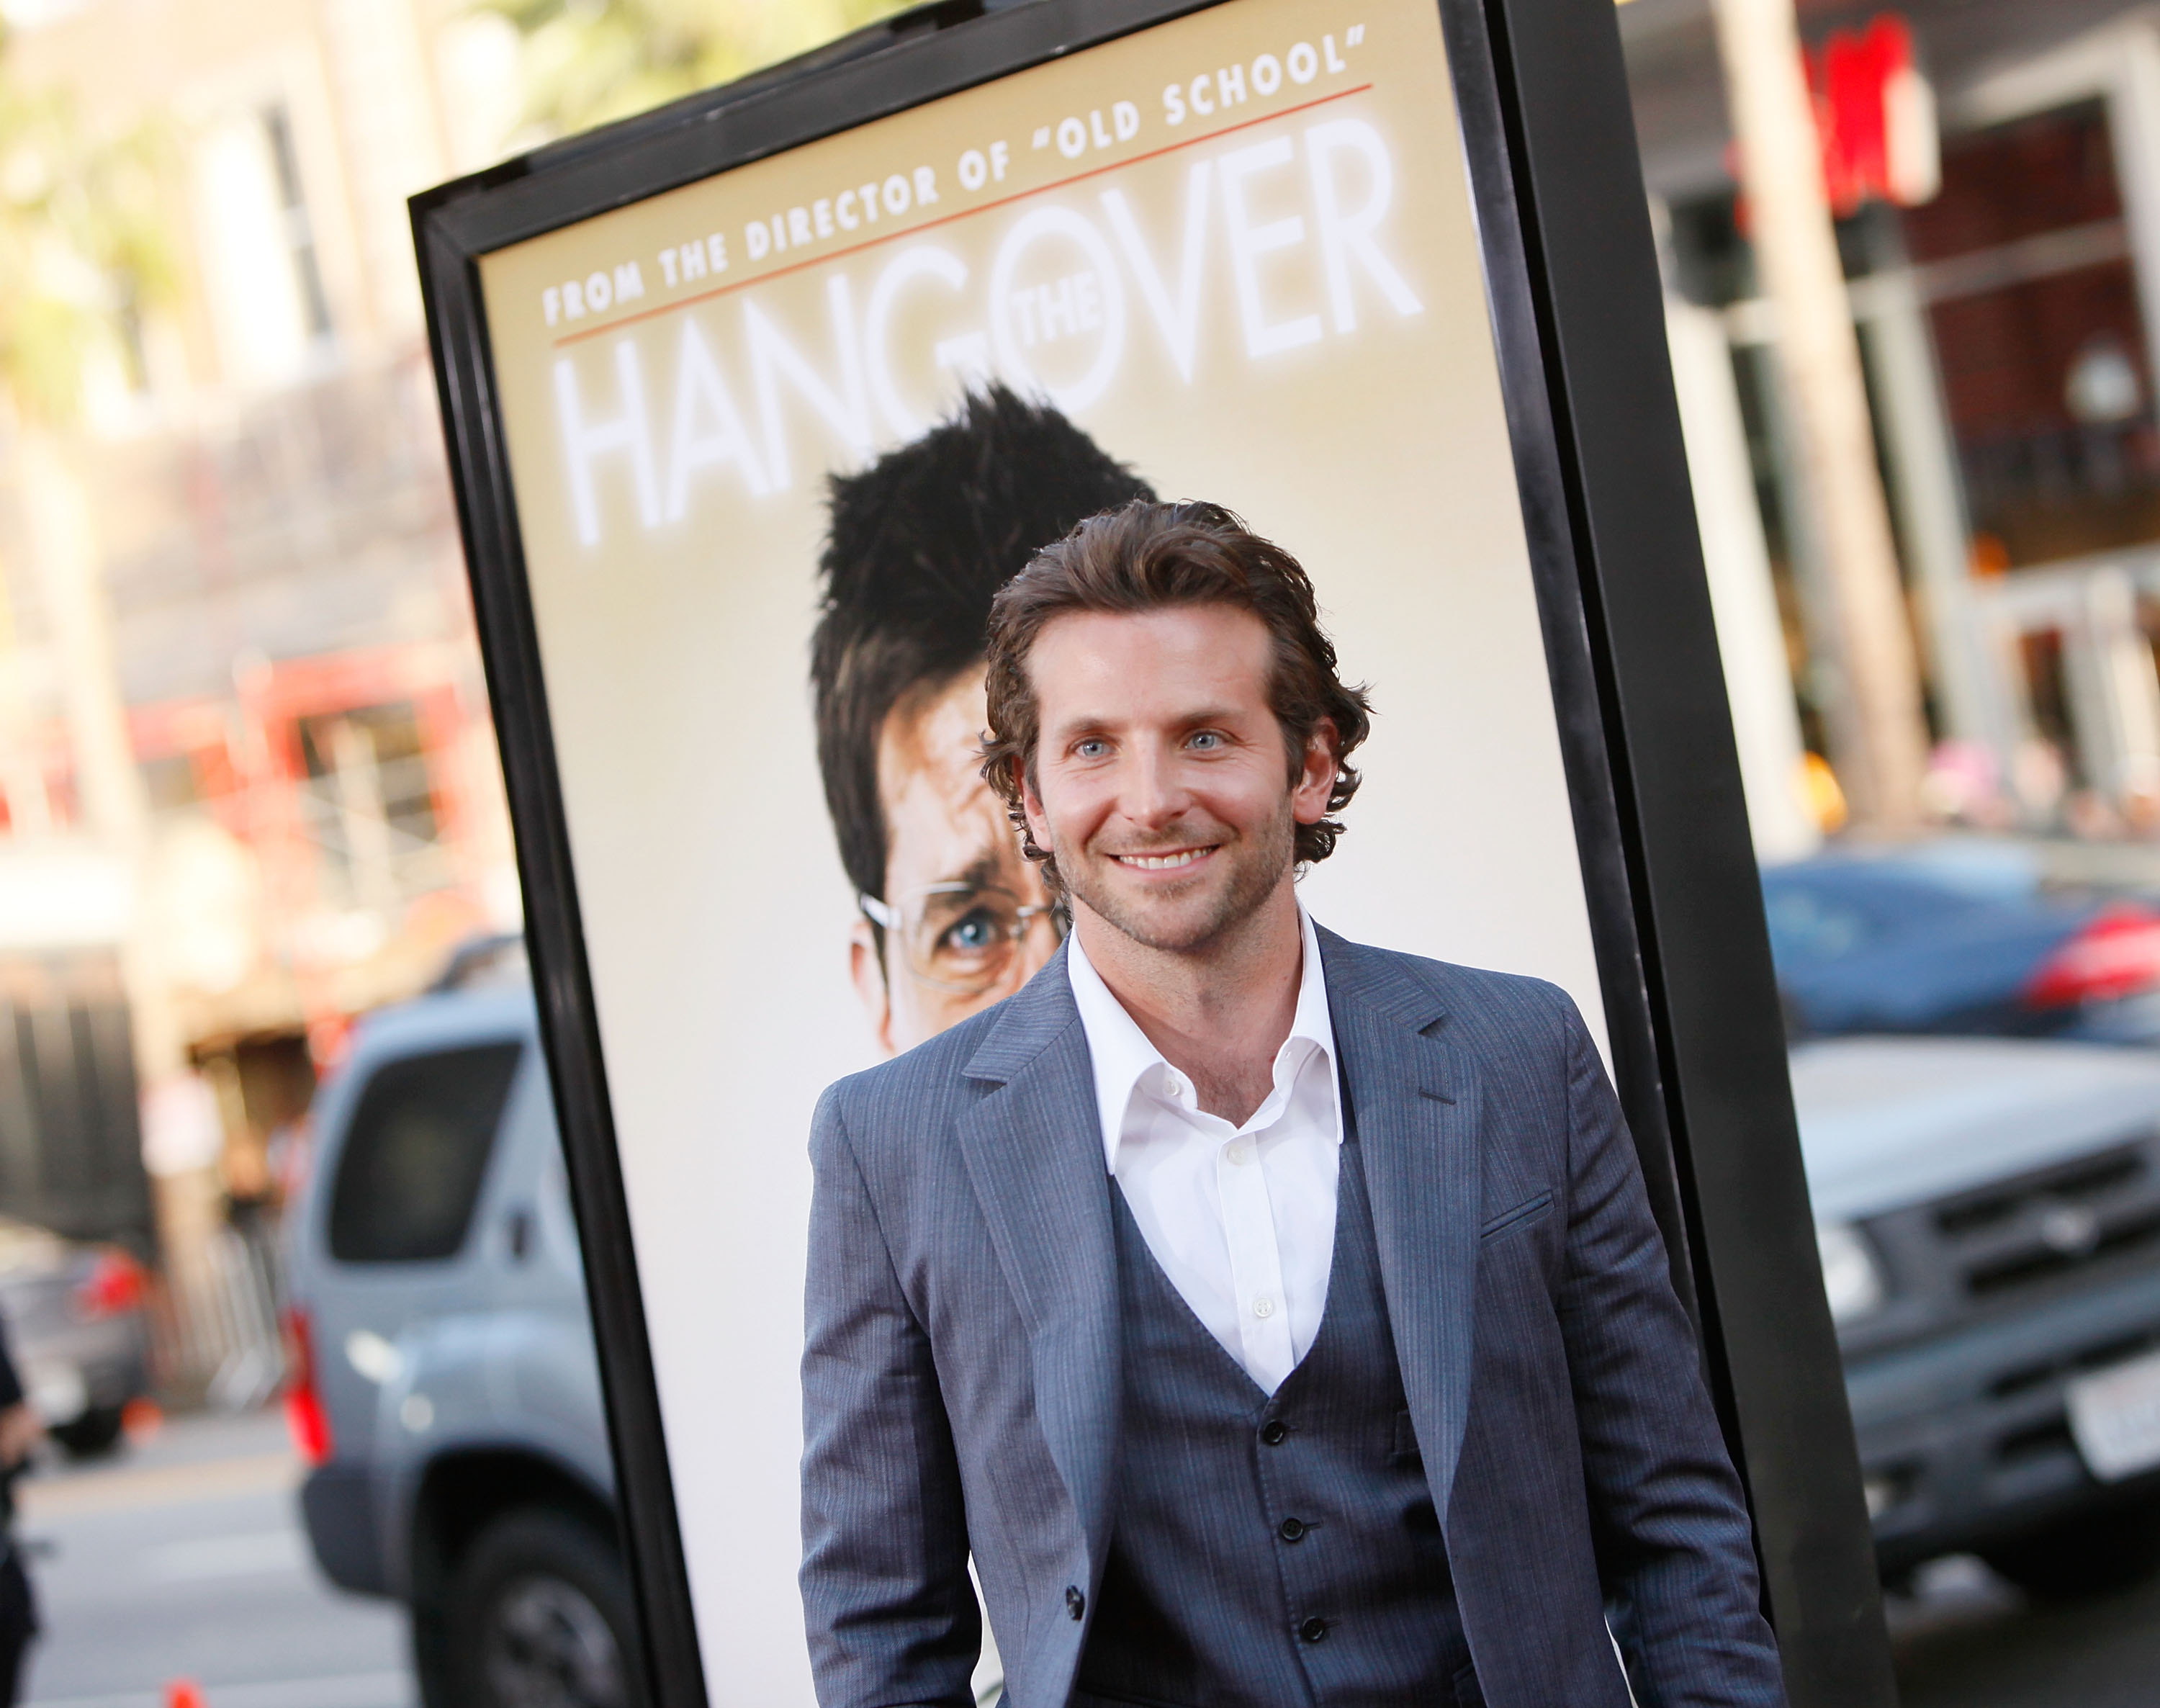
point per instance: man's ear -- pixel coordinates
(869, 977)
(1316, 777)
(1038, 821)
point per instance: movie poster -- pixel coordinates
(775, 437)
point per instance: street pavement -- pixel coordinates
(182, 1557)
(1966, 1639)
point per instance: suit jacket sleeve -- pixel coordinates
(1676, 1545)
(891, 1612)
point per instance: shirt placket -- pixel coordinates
(1255, 1261)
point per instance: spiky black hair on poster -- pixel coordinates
(918, 544)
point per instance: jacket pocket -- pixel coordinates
(1508, 1221)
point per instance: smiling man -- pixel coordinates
(1277, 1320)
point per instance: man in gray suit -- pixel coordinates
(1275, 1320)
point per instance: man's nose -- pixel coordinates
(1152, 795)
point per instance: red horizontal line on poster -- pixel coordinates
(706, 296)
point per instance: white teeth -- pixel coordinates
(1156, 863)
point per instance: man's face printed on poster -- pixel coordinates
(974, 921)
(954, 918)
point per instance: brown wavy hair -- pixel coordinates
(1146, 555)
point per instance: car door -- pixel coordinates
(397, 1225)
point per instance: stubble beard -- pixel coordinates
(1257, 864)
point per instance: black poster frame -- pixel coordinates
(1661, 826)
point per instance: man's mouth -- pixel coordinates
(1163, 862)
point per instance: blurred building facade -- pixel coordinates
(288, 626)
(287, 621)
(2008, 319)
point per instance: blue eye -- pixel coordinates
(1091, 749)
(973, 933)
(1207, 741)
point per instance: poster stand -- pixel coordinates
(1674, 914)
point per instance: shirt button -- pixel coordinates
(1264, 1306)
(1240, 1154)
(1313, 1629)
(1292, 1530)
(1274, 1431)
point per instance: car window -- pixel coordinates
(417, 1150)
(1824, 913)
(1907, 901)
(1805, 927)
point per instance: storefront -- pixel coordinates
(2007, 322)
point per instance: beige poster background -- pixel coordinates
(1237, 250)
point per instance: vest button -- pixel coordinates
(1292, 1530)
(1075, 1604)
(1274, 1431)
(1313, 1630)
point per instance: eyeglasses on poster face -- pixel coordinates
(960, 936)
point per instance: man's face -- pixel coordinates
(954, 871)
(1161, 784)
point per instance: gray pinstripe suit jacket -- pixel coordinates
(961, 1378)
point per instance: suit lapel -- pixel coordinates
(1417, 1106)
(1034, 1151)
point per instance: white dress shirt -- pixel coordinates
(1241, 1219)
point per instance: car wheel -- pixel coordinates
(96, 1433)
(2086, 1556)
(540, 1616)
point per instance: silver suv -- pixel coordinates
(445, 1386)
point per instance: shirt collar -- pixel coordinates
(1122, 1055)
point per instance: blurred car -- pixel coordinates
(1957, 940)
(494, 961)
(1988, 1214)
(74, 1317)
(445, 1389)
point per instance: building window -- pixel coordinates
(369, 804)
(262, 265)
(2025, 261)
(299, 231)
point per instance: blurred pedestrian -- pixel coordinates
(20, 1431)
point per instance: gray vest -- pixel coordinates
(1271, 1552)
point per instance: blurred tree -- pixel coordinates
(84, 247)
(588, 61)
